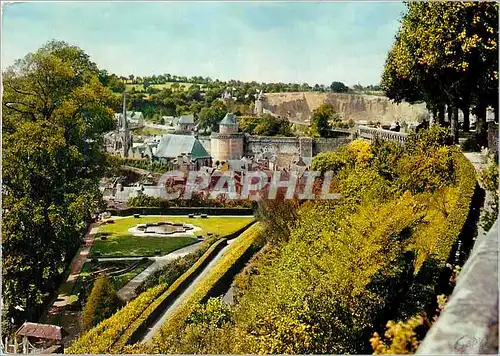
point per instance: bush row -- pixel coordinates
(152, 312)
(99, 339)
(197, 201)
(181, 211)
(202, 290)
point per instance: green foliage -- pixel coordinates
(278, 217)
(434, 137)
(446, 54)
(332, 161)
(54, 112)
(214, 312)
(101, 304)
(197, 200)
(265, 125)
(320, 120)
(338, 87)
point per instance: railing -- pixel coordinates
(469, 321)
(371, 133)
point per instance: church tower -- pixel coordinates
(124, 133)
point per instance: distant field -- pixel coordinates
(149, 131)
(139, 87)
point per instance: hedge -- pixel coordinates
(203, 290)
(466, 183)
(129, 322)
(99, 339)
(153, 311)
(180, 211)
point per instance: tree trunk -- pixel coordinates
(454, 124)
(435, 115)
(481, 126)
(441, 110)
(466, 111)
(450, 113)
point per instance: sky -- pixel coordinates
(294, 42)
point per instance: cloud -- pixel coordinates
(289, 42)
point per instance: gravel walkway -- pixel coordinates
(128, 291)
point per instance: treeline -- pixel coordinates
(148, 81)
(55, 111)
(446, 55)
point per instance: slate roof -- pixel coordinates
(42, 331)
(229, 120)
(172, 146)
(186, 119)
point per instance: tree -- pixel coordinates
(210, 117)
(338, 87)
(321, 120)
(101, 304)
(446, 54)
(116, 85)
(55, 110)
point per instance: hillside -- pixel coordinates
(358, 107)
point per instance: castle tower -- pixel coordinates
(259, 105)
(228, 143)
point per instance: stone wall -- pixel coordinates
(493, 138)
(206, 142)
(304, 146)
(286, 147)
(469, 322)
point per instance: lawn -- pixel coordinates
(120, 242)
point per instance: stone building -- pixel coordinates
(134, 118)
(120, 140)
(228, 143)
(185, 124)
(182, 150)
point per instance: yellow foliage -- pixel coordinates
(400, 338)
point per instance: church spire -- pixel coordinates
(126, 139)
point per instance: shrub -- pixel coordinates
(101, 304)
(400, 338)
(100, 339)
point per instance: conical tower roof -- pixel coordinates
(229, 120)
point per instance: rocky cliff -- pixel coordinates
(359, 107)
